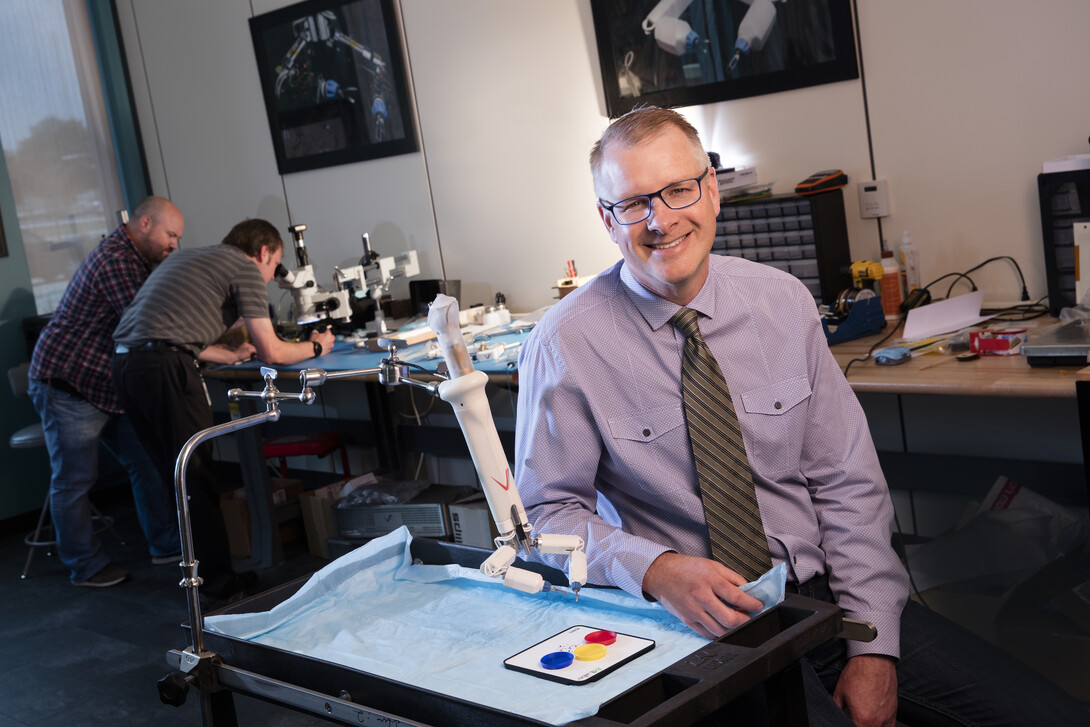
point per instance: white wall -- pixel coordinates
(966, 100)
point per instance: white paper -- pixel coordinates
(946, 316)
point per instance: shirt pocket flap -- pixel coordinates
(646, 426)
(777, 398)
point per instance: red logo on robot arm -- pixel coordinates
(506, 484)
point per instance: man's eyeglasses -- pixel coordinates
(676, 196)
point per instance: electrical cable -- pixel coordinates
(866, 113)
(412, 397)
(951, 275)
(1029, 311)
(1017, 267)
(878, 343)
(959, 277)
(1025, 290)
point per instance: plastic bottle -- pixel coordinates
(910, 263)
(891, 285)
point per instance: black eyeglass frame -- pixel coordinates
(651, 198)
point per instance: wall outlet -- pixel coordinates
(874, 199)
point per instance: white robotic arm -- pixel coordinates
(464, 391)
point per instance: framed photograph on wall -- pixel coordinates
(689, 52)
(334, 83)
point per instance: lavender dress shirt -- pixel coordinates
(602, 450)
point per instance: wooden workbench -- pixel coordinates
(935, 373)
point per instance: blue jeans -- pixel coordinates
(946, 677)
(73, 430)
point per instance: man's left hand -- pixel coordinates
(325, 338)
(867, 690)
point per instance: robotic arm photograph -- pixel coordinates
(673, 44)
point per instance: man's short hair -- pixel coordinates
(635, 127)
(251, 235)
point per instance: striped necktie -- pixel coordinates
(726, 481)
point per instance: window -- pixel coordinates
(56, 139)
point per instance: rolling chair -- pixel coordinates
(27, 438)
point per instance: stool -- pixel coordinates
(294, 445)
(27, 438)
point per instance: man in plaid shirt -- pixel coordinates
(71, 388)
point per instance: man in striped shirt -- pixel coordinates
(186, 305)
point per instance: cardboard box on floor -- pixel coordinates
(474, 520)
(236, 515)
(472, 523)
(317, 506)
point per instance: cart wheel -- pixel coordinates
(173, 688)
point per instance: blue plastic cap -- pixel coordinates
(557, 660)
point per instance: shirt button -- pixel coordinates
(778, 405)
(647, 432)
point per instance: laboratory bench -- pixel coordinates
(943, 428)
(363, 411)
(954, 427)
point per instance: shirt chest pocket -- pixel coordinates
(649, 446)
(775, 424)
(647, 426)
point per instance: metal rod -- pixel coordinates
(190, 580)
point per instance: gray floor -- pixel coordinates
(88, 657)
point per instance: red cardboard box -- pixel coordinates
(997, 343)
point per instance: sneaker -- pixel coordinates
(174, 559)
(111, 575)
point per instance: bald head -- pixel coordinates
(155, 227)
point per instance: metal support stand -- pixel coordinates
(195, 663)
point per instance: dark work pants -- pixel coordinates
(164, 396)
(946, 677)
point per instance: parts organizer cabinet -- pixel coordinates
(806, 236)
(1065, 200)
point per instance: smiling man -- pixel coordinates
(682, 414)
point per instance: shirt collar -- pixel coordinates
(123, 233)
(658, 311)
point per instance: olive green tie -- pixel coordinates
(726, 482)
